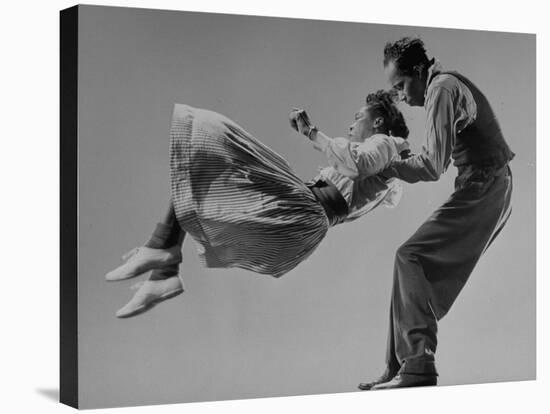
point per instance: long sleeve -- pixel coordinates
(435, 156)
(359, 160)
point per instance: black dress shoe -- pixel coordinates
(407, 380)
(386, 376)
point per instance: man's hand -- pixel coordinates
(299, 121)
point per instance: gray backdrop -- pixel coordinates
(322, 327)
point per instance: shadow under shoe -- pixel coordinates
(142, 259)
(161, 285)
(385, 377)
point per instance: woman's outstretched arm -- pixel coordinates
(352, 159)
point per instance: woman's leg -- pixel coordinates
(161, 251)
(163, 282)
(168, 232)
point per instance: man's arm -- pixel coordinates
(435, 156)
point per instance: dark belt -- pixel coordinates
(334, 204)
(479, 174)
(490, 170)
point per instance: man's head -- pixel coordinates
(406, 67)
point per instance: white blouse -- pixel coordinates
(350, 160)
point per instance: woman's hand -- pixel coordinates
(299, 121)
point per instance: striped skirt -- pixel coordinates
(238, 199)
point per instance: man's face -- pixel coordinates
(410, 88)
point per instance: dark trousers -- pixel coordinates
(432, 267)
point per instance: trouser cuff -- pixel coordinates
(418, 367)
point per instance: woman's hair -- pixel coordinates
(382, 103)
(407, 54)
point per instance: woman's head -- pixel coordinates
(379, 116)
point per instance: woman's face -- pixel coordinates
(362, 127)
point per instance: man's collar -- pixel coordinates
(434, 69)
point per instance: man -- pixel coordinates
(432, 266)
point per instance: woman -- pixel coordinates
(245, 207)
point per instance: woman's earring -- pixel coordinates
(378, 123)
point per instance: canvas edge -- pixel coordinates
(68, 367)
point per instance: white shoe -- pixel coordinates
(149, 294)
(142, 259)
